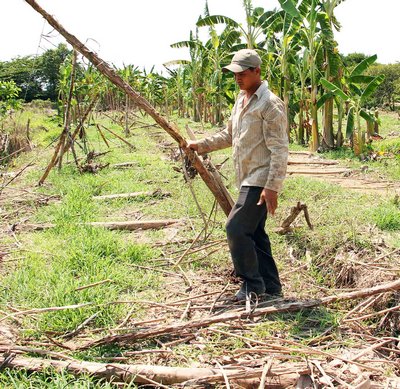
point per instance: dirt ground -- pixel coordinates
(312, 165)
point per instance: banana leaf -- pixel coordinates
(334, 89)
(360, 79)
(364, 65)
(189, 44)
(372, 87)
(321, 101)
(367, 116)
(290, 7)
(216, 19)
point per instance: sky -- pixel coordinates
(140, 32)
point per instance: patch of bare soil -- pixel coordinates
(312, 165)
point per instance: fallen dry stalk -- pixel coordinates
(125, 225)
(396, 308)
(141, 374)
(132, 195)
(94, 284)
(43, 310)
(183, 328)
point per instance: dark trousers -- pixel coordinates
(249, 244)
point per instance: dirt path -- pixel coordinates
(312, 165)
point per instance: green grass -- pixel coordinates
(386, 216)
(51, 379)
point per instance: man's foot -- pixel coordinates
(271, 299)
(241, 295)
(274, 294)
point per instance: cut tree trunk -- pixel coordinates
(140, 102)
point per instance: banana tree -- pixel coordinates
(208, 84)
(195, 67)
(302, 96)
(357, 88)
(286, 42)
(332, 65)
(256, 22)
(307, 14)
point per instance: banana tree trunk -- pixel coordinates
(328, 124)
(314, 120)
(141, 102)
(339, 135)
(286, 102)
(376, 126)
(127, 115)
(370, 128)
(300, 132)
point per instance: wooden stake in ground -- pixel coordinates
(59, 151)
(140, 102)
(294, 212)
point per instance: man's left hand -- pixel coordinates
(270, 197)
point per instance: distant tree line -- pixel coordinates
(330, 98)
(36, 77)
(39, 77)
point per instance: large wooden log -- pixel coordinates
(136, 225)
(278, 377)
(141, 102)
(125, 225)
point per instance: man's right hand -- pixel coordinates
(192, 144)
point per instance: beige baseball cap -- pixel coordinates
(242, 60)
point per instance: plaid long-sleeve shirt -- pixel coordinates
(257, 134)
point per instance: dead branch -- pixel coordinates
(396, 308)
(316, 172)
(94, 284)
(123, 165)
(43, 310)
(213, 170)
(67, 118)
(120, 138)
(155, 193)
(136, 225)
(125, 225)
(80, 327)
(116, 372)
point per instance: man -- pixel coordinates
(257, 132)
